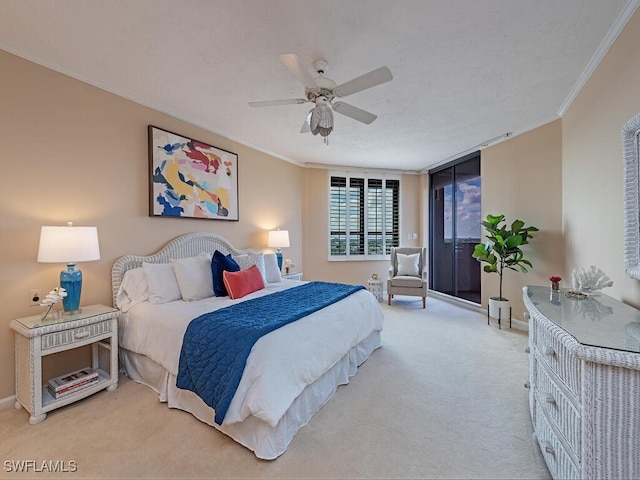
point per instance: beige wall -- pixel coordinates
(593, 167)
(316, 239)
(72, 152)
(522, 178)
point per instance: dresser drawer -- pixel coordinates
(556, 356)
(559, 409)
(66, 337)
(557, 459)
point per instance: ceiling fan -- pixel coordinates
(322, 91)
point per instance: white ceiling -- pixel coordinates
(465, 71)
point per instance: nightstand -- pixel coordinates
(94, 325)
(292, 276)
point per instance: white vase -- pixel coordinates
(499, 308)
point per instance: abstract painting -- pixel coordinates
(191, 179)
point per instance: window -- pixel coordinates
(364, 215)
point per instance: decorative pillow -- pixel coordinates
(272, 272)
(243, 282)
(408, 264)
(194, 277)
(133, 289)
(163, 285)
(219, 264)
(247, 260)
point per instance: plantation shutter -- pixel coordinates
(364, 216)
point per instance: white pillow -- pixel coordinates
(163, 285)
(408, 264)
(247, 260)
(271, 269)
(194, 277)
(133, 289)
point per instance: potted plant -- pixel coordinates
(501, 251)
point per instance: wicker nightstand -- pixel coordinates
(292, 276)
(94, 325)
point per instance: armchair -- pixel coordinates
(407, 273)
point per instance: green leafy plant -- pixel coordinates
(502, 250)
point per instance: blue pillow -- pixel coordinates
(220, 263)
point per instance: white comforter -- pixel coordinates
(280, 365)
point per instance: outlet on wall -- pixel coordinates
(35, 297)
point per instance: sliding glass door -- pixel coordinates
(455, 228)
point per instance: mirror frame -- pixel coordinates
(631, 155)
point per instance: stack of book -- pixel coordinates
(72, 382)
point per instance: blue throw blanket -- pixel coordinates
(216, 345)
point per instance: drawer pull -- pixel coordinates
(527, 349)
(83, 334)
(548, 351)
(548, 448)
(549, 399)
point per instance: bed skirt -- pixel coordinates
(265, 441)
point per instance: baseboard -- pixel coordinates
(474, 306)
(7, 402)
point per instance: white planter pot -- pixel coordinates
(499, 308)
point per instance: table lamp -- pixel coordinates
(278, 239)
(69, 245)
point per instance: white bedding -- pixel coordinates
(281, 364)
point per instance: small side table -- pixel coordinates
(374, 285)
(94, 325)
(292, 275)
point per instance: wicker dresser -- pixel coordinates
(584, 380)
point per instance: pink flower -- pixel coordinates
(555, 279)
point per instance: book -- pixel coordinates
(72, 389)
(68, 380)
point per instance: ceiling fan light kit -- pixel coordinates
(322, 91)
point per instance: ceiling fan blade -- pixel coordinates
(292, 62)
(305, 126)
(368, 80)
(272, 103)
(354, 112)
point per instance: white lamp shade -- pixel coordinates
(68, 244)
(278, 239)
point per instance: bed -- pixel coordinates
(290, 373)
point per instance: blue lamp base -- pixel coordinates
(279, 258)
(71, 281)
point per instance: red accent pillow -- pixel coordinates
(243, 282)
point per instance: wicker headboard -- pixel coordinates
(187, 245)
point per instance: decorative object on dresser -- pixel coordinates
(584, 381)
(69, 245)
(189, 178)
(590, 281)
(631, 158)
(35, 338)
(502, 251)
(278, 239)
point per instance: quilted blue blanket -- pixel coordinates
(216, 345)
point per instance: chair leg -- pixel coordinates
(389, 302)
(424, 302)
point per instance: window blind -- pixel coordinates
(364, 215)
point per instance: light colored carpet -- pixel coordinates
(443, 398)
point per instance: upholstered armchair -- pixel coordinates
(407, 273)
